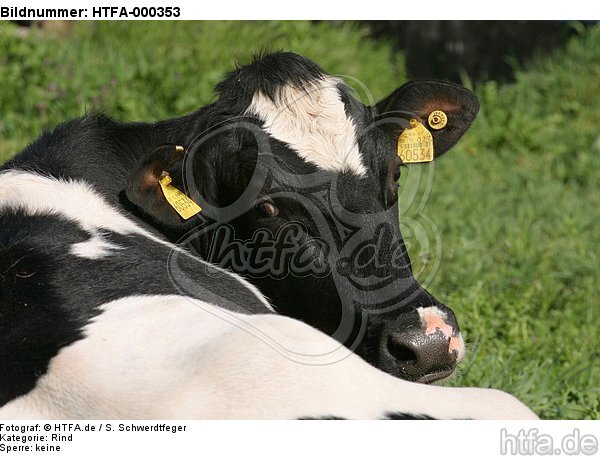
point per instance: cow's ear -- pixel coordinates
(447, 111)
(162, 201)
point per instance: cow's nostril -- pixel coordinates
(401, 351)
(417, 356)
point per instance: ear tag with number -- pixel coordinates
(178, 200)
(415, 144)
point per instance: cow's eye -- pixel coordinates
(268, 209)
(396, 175)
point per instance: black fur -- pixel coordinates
(269, 73)
(407, 416)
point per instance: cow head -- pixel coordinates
(297, 180)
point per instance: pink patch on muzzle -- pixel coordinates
(433, 320)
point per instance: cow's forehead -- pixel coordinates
(312, 119)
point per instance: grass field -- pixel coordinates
(516, 203)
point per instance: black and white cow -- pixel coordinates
(288, 154)
(93, 326)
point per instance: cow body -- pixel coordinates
(85, 334)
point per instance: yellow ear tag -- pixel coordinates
(179, 201)
(415, 144)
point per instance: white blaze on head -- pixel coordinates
(313, 122)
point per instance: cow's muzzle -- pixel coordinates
(422, 346)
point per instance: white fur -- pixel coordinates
(78, 202)
(94, 248)
(175, 357)
(73, 200)
(313, 122)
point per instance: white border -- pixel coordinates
(307, 438)
(348, 10)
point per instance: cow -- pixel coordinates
(93, 327)
(286, 156)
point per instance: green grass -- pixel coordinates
(516, 203)
(147, 71)
(517, 207)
